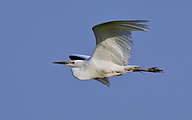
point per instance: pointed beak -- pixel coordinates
(62, 62)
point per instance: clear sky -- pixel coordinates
(34, 33)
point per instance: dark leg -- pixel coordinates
(153, 69)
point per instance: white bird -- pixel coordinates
(110, 58)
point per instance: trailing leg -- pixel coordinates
(153, 69)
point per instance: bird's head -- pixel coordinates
(74, 63)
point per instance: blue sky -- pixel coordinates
(35, 33)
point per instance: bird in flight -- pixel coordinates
(111, 54)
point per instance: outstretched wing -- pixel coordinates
(105, 81)
(113, 40)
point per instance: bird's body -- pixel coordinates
(99, 69)
(111, 54)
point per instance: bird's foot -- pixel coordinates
(155, 70)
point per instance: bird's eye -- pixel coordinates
(72, 62)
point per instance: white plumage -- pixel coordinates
(113, 49)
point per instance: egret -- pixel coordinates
(111, 54)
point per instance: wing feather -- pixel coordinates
(79, 57)
(113, 40)
(105, 81)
